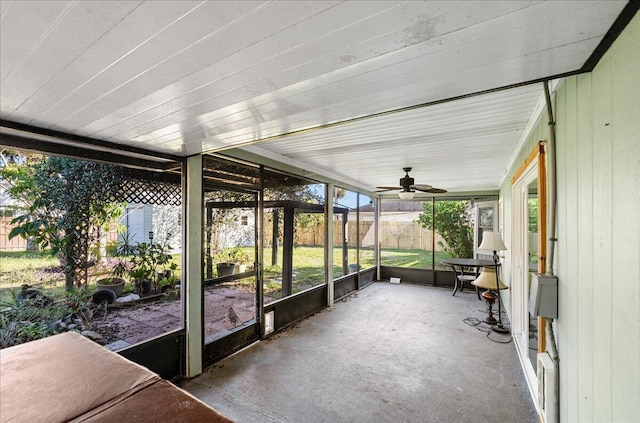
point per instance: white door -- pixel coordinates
(524, 259)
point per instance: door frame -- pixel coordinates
(245, 334)
(519, 307)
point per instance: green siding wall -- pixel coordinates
(598, 228)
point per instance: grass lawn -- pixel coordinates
(43, 271)
(36, 269)
(411, 258)
(12, 261)
(308, 265)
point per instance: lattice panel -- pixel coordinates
(145, 191)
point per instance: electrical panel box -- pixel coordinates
(543, 298)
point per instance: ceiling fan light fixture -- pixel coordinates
(406, 195)
(408, 187)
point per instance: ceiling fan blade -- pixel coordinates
(407, 185)
(436, 191)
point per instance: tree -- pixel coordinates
(397, 230)
(453, 223)
(70, 201)
(16, 185)
(533, 214)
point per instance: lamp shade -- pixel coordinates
(487, 280)
(406, 195)
(492, 241)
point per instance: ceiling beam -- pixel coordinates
(53, 136)
(65, 150)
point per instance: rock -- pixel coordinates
(72, 326)
(117, 345)
(94, 336)
(55, 326)
(63, 325)
(128, 298)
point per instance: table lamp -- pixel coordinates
(487, 280)
(493, 241)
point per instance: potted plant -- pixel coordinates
(225, 268)
(241, 264)
(141, 268)
(168, 272)
(225, 262)
(159, 257)
(167, 279)
(147, 260)
(116, 282)
(140, 275)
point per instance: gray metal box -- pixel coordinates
(543, 298)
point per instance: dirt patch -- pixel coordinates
(225, 308)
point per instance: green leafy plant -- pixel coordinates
(452, 221)
(27, 318)
(231, 255)
(147, 260)
(70, 201)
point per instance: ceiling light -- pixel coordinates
(406, 195)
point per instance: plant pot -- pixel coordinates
(143, 287)
(115, 285)
(354, 268)
(241, 268)
(225, 269)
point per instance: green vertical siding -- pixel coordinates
(598, 229)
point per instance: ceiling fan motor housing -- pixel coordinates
(407, 182)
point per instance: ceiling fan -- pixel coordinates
(408, 187)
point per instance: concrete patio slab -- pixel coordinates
(388, 353)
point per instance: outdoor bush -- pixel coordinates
(453, 222)
(70, 202)
(24, 320)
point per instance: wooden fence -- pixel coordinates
(401, 235)
(6, 244)
(20, 244)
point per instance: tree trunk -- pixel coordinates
(69, 280)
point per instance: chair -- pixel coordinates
(462, 274)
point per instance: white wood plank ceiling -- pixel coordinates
(185, 77)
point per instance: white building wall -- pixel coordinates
(139, 221)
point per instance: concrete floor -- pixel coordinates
(388, 353)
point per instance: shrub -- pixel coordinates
(26, 318)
